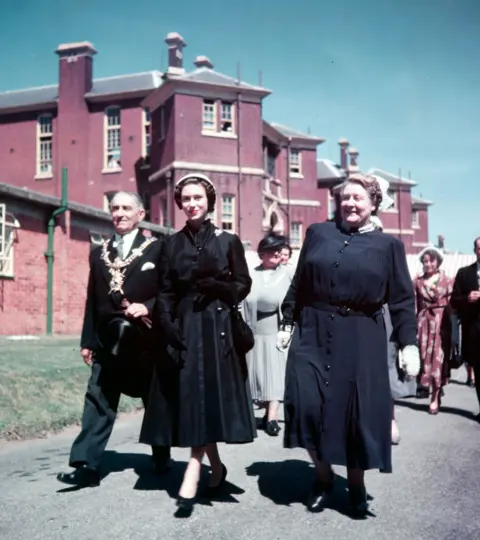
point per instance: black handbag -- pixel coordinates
(243, 338)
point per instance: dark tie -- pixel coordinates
(120, 248)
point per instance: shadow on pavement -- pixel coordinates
(289, 482)
(443, 409)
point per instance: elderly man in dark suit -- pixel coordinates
(465, 300)
(116, 338)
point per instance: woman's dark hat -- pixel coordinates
(271, 242)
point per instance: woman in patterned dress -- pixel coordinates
(432, 291)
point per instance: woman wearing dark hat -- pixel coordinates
(266, 364)
(201, 396)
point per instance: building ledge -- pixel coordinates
(219, 134)
(111, 171)
(43, 176)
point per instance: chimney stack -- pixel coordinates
(175, 44)
(441, 242)
(353, 160)
(203, 62)
(76, 66)
(343, 153)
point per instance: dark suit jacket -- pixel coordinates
(466, 281)
(140, 286)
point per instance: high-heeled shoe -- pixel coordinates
(437, 408)
(272, 429)
(358, 501)
(184, 506)
(319, 494)
(213, 491)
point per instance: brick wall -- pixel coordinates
(23, 298)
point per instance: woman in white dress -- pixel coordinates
(266, 364)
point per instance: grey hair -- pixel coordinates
(134, 196)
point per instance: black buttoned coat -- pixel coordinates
(337, 397)
(200, 395)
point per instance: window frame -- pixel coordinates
(146, 136)
(8, 226)
(297, 162)
(296, 243)
(107, 128)
(43, 137)
(230, 220)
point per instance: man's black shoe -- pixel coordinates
(81, 477)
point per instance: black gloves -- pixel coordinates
(215, 289)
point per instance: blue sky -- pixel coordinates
(399, 79)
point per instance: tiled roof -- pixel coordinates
(30, 96)
(452, 262)
(328, 170)
(210, 76)
(110, 85)
(288, 132)
(126, 83)
(392, 178)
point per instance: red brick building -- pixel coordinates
(142, 132)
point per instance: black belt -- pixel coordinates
(265, 314)
(347, 311)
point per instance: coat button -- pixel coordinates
(219, 309)
(346, 242)
(329, 334)
(327, 367)
(333, 283)
(331, 316)
(222, 334)
(336, 264)
(326, 383)
(340, 250)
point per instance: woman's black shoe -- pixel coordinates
(272, 429)
(184, 506)
(422, 392)
(212, 491)
(358, 503)
(319, 494)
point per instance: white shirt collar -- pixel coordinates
(128, 240)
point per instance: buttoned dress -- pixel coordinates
(338, 401)
(202, 396)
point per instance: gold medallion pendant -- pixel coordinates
(117, 268)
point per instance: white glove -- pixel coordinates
(409, 358)
(283, 338)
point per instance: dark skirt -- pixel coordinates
(201, 396)
(338, 401)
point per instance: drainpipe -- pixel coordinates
(49, 254)
(288, 188)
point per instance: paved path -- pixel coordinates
(434, 492)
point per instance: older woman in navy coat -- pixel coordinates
(338, 403)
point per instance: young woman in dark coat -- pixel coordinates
(200, 393)
(338, 402)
